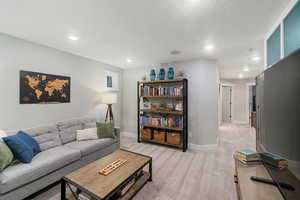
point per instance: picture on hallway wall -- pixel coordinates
(40, 88)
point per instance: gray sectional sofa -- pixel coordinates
(61, 154)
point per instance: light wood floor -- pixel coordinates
(196, 174)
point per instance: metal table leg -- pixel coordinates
(63, 189)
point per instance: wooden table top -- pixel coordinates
(88, 177)
(254, 190)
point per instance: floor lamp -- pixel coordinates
(109, 99)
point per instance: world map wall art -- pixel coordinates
(40, 88)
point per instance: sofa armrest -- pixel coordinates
(117, 133)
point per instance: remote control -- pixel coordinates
(271, 182)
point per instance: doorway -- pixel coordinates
(252, 105)
(226, 103)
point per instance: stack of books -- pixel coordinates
(247, 157)
(274, 160)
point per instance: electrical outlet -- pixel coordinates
(190, 134)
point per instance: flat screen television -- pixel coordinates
(278, 111)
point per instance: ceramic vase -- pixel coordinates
(152, 75)
(162, 74)
(171, 73)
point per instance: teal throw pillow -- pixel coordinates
(105, 130)
(6, 156)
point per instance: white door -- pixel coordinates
(226, 103)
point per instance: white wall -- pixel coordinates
(87, 79)
(240, 99)
(203, 99)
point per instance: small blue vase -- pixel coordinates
(162, 74)
(171, 73)
(152, 75)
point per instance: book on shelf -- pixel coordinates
(274, 160)
(161, 91)
(168, 122)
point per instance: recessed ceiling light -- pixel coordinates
(129, 60)
(73, 37)
(175, 52)
(255, 58)
(246, 69)
(241, 76)
(209, 47)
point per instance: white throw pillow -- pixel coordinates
(2, 134)
(87, 134)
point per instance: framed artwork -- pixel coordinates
(41, 88)
(111, 80)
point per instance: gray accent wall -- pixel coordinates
(87, 80)
(203, 80)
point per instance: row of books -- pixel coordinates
(161, 91)
(169, 122)
(250, 157)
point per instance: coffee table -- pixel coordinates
(99, 187)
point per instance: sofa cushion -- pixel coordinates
(46, 136)
(87, 134)
(30, 141)
(90, 146)
(67, 130)
(21, 150)
(6, 156)
(89, 123)
(105, 130)
(42, 164)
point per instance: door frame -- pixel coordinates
(248, 114)
(231, 99)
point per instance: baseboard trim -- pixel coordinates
(240, 122)
(129, 134)
(203, 147)
(191, 146)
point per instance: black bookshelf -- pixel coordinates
(183, 114)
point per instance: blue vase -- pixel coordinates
(171, 73)
(162, 74)
(152, 75)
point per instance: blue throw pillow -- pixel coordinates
(30, 141)
(20, 149)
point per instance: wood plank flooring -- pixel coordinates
(194, 175)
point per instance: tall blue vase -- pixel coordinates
(162, 74)
(171, 73)
(152, 75)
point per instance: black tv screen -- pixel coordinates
(278, 111)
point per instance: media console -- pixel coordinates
(248, 189)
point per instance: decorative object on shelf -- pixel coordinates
(152, 75)
(179, 106)
(109, 99)
(144, 78)
(162, 74)
(40, 88)
(171, 73)
(180, 75)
